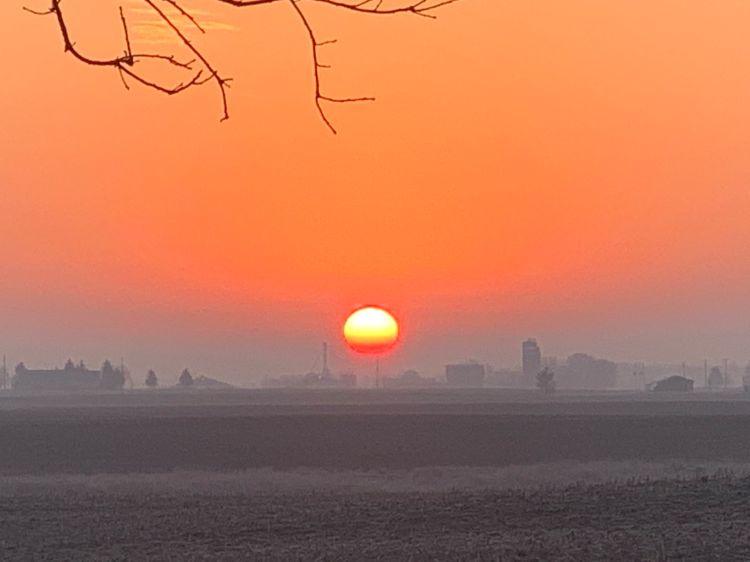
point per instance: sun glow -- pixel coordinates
(371, 329)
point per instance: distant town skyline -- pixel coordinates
(337, 360)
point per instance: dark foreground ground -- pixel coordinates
(374, 476)
(157, 432)
(83, 444)
(697, 519)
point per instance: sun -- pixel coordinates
(371, 329)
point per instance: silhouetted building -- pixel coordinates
(583, 371)
(203, 381)
(313, 380)
(69, 378)
(465, 375)
(674, 383)
(409, 379)
(531, 357)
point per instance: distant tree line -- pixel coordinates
(185, 380)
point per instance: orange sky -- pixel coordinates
(572, 170)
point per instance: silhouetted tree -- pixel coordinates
(186, 379)
(198, 71)
(152, 380)
(545, 381)
(112, 379)
(715, 378)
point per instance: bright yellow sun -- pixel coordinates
(371, 329)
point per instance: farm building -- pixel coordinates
(71, 378)
(465, 375)
(673, 384)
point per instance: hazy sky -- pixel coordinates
(576, 171)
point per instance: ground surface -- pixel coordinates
(158, 432)
(436, 475)
(699, 519)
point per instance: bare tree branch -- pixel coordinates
(222, 83)
(124, 63)
(316, 68)
(205, 72)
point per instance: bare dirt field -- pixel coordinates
(90, 444)
(374, 476)
(700, 518)
(157, 432)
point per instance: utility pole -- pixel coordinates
(726, 372)
(4, 377)
(705, 373)
(325, 372)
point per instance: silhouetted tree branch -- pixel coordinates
(200, 70)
